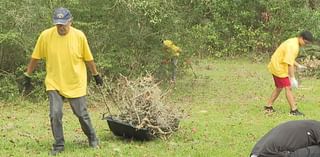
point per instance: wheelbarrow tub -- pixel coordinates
(128, 131)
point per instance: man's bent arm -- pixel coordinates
(92, 67)
(32, 65)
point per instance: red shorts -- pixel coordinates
(281, 82)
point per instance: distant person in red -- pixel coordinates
(282, 68)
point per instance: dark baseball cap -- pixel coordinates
(306, 35)
(61, 16)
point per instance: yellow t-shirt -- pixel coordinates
(65, 58)
(285, 55)
(173, 49)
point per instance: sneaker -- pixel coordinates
(56, 151)
(296, 113)
(269, 109)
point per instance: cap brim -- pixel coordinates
(60, 22)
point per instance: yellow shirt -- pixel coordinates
(285, 55)
(173, 49)
(65, 58)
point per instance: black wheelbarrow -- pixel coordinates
(123, 129)
(128, 131)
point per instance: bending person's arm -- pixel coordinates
(291, 71)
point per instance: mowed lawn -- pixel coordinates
(223, 117)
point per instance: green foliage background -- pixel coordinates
(124, 35)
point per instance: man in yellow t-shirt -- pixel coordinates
(173, 53)
(282, 69)
(66, 52)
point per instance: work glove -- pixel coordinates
(294, 82)
(24, 83)
(98, 79)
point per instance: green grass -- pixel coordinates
(224, 117)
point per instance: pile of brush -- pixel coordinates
(313, 66)
(141, 103)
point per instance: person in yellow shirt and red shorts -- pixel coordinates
(173, 53)
(66, 53)
(282, 68)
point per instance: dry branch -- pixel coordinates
(142, 105)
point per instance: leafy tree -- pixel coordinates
(124, 35)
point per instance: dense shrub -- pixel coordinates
(125, 35)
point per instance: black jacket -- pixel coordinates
(288, 137)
